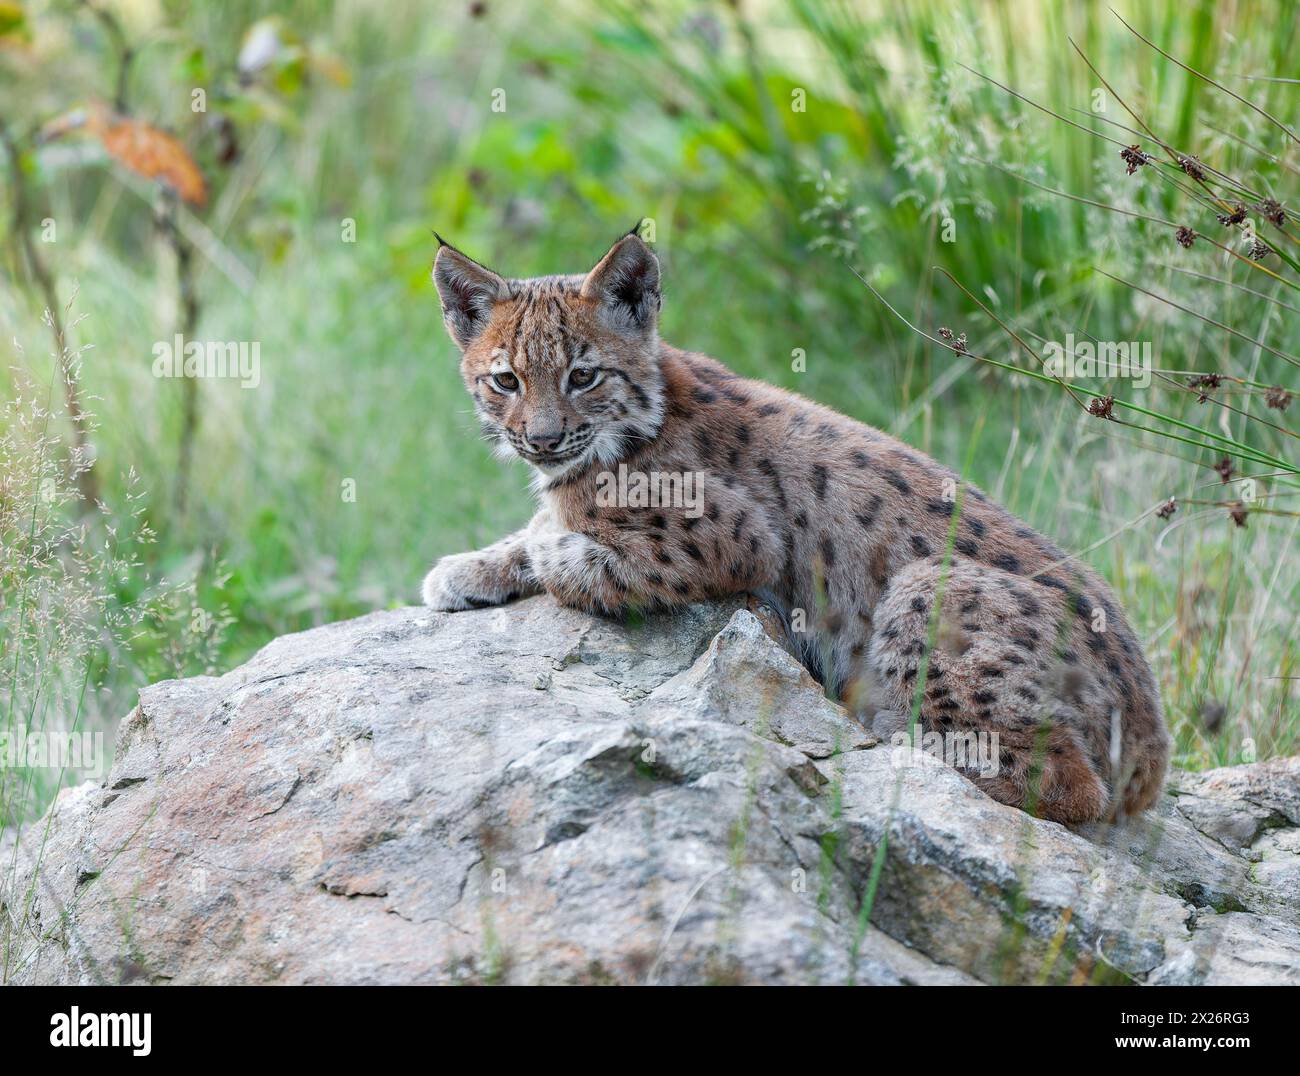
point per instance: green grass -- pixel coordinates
(681, 114)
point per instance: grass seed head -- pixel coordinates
(1102, 406)
(956, 342)
(1277, 398)
(1272, 211)
(1134, 158)
(1237, 216)
(1207, 383)
(1212, 714)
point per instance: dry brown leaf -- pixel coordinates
(151, 153)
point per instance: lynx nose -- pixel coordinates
(544, 440)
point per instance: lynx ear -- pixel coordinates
(467, 291)
(626, 284)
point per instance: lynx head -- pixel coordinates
(564, 370)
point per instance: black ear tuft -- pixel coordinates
(626, 284)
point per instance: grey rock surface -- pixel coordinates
(532, 795)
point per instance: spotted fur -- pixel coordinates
(868, 548)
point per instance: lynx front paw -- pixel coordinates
(472, 581)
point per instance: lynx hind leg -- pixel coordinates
(989, 674)
(1143, 786)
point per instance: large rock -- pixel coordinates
(528, 794)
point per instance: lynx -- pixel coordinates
(867, 548)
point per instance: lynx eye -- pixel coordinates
(581, 377)
(506, 381)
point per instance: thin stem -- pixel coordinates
(1206, 78)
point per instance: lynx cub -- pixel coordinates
(844, 529)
